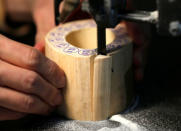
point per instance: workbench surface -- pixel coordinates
(164, 114)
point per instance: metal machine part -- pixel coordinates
(108, 13)
(166, 17)
(105, 13)
(169, 20)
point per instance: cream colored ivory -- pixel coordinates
(97, 86)
(101, 87)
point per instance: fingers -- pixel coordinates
(21, 102)
(43, 14)
(61, 6)
(6, 114)
(40, 46)
(30, 58)
(29, 82)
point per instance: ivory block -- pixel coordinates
(98, 86)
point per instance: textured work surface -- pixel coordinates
(161, 116)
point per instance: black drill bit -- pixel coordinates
(101, 37)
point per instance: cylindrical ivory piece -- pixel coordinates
(98, 86)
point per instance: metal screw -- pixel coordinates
(175, 28)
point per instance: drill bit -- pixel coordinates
(101, 37)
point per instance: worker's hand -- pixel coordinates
(43, 14)
(28, 81)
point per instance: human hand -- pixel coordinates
(43, 14)
(27, 81)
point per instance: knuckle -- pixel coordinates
(33, 58)
(52, 68)
(32, 81)
(55, 92)
(29, 103)
(2, 69)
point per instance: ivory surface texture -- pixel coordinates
(97, 86)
